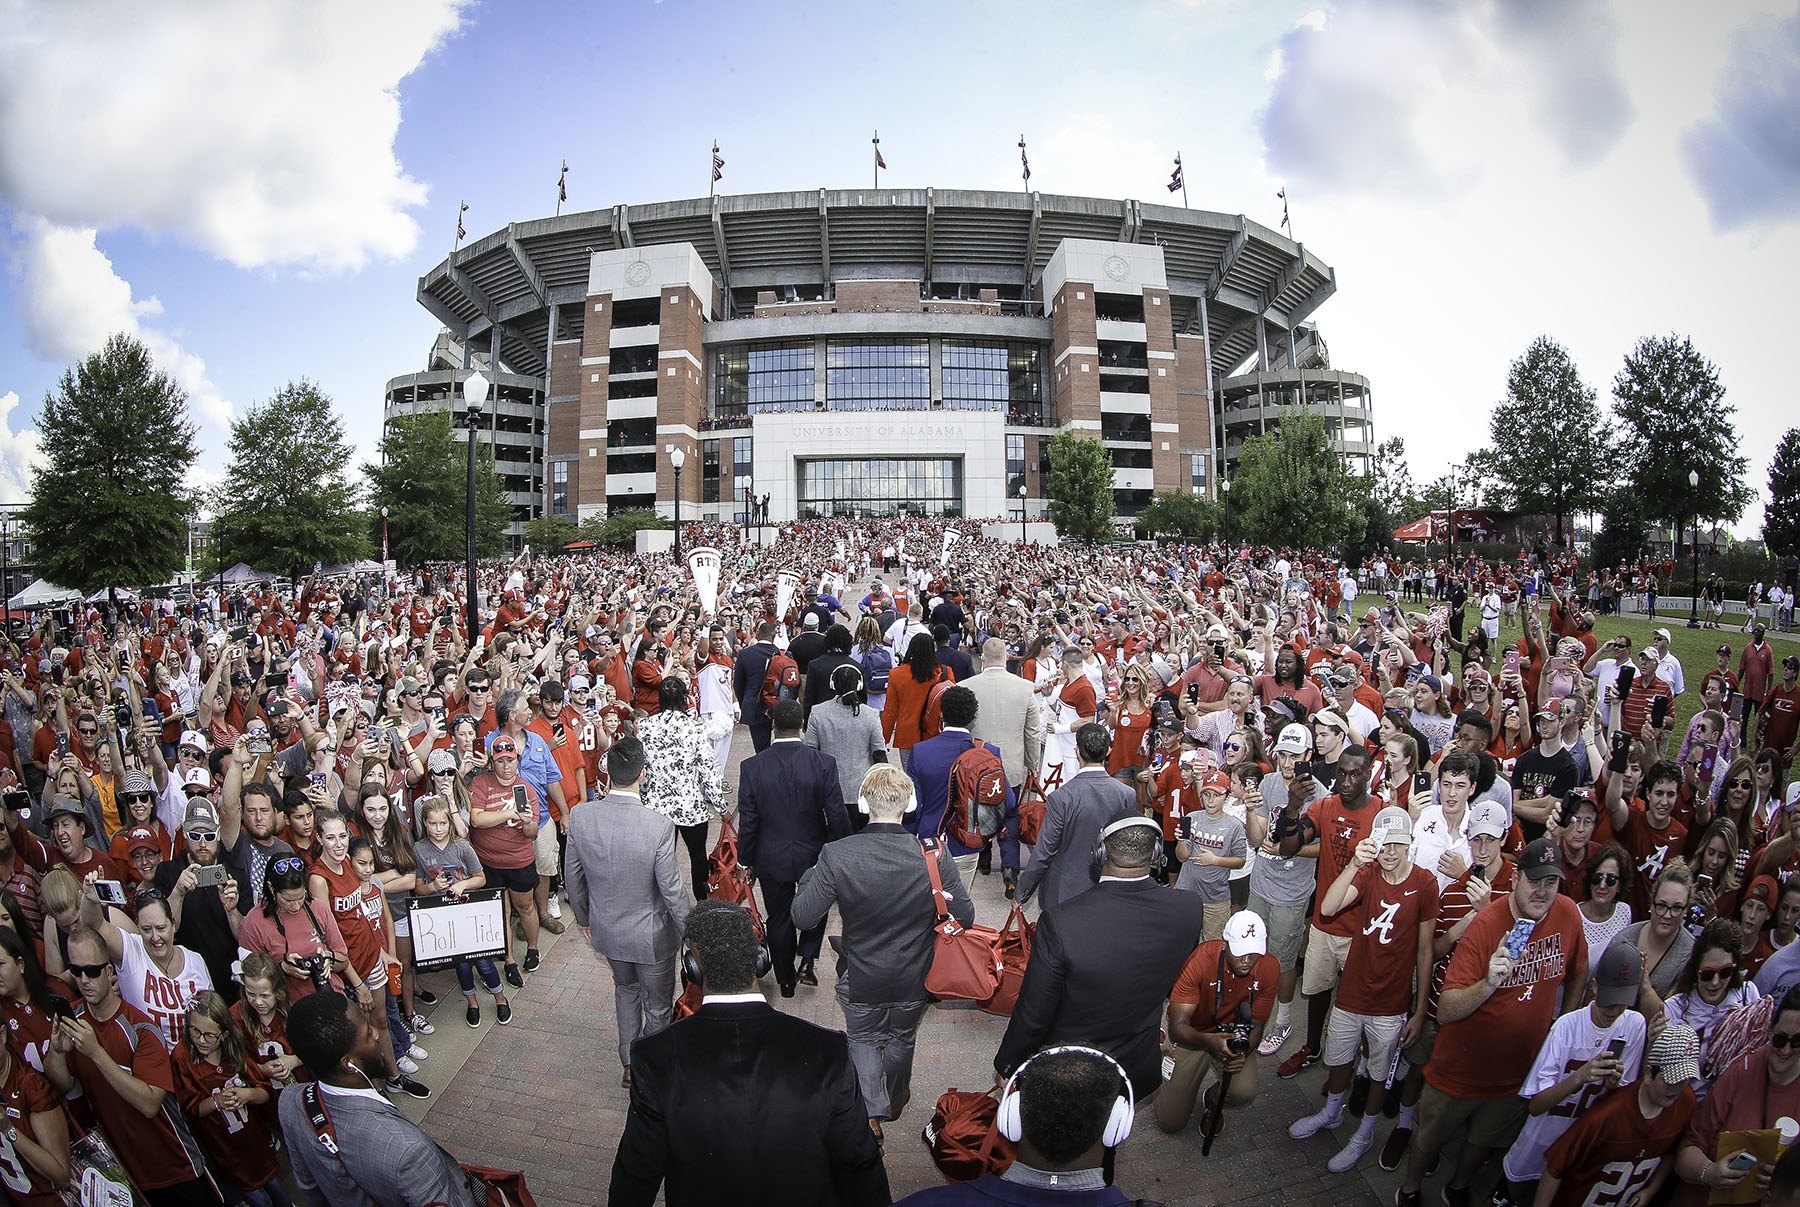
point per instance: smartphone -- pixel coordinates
(1659, 711)
(60, 1008)
(62, 744)
(1617, 1049)
(556, 727)
(1479, 872)
(1156, 761)
(1421, 782)
(16, 800)
(259, 743)
(211, 874)
(1193, 693)
(109, 892)
(1741, 1162)
(1703, 880)
(1627, 675)
(1512, 662)
(521, 802)
(1519, 936)
(316, 780)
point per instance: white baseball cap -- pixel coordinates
(196, 739)
(1245, 935)
(1487, 819)
(1295, 739)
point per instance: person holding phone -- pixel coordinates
(503, 827)
(1753, 1094)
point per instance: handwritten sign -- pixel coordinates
(445, 931)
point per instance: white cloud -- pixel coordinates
(1746, 157)
(70, 300)
(18, 453)
(262, 133)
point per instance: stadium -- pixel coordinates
(874, 352)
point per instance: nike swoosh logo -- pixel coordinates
(1409, 894)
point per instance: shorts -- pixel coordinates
(1486, 1122)
(548, 849)
(377, 981)
(517, 880)
(1345, 1033)
(1213, 918)
(402, 923)
(1287, 926)
(1325, 956)
(1418, 1053)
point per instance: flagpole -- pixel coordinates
(1184, 203)
(712, 169)
(877, 141)
(1025, 163)
(562, 188)
(456, 243)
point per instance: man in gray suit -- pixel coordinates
(379, 1156)
(1009, 716)
(879, 881)
(624, 884)
(1088, 802)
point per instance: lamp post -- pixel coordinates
(474, 392)
(1225, 498)
(219, 563)
(1021, 513)
(6, 531)
(384, 547)
(1694, 539)
(676, 459)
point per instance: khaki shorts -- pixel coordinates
(1287, 926)
(1213, 919)
(547, 849)
(1346, 1032)
(1486, 1122)
(1325, 956)
(1418, 1053)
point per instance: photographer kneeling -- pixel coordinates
(1217, 1011)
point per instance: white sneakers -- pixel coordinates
(421, 1026)
(1354, 1151)
(417, 1053)
(1323, 1121)
(407, 1066)
(555, 906)
(1273, 1039)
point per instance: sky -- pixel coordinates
(255, 189)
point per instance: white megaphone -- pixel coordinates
(704, 565)
(950, 538)
(786, 583)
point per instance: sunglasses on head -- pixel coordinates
(286, 864)
(91, 972)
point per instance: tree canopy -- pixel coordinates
(1676, 420)
(1080, 487)
(1292, 488)
(288, 500)
(1179, 514)
(1781, 510)
(110, 502)
(1551, 444)
(422, 481)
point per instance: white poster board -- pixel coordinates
(445, 931)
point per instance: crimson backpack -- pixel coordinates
(931, 712)
(782, 681)
(975, 808)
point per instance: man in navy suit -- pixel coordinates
(789, 806)
(930, 767)
(747, 676)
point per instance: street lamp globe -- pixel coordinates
(474, 392)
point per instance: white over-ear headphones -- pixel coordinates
(1118, 1122)
(862, 803)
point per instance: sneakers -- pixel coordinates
(1456, 1196)
(424, 997)
(406, 1085)
(1352, 1152)
(1322, 1120)
(407, 1065)
(555, 907)
(473, 1016)
(512, 976)
(1394, 1151)
(421, 1025)
(417, 1053)
(503, 1013)
(1274, 1039)
(1302, 1059)
(1407, 1198)
(533, 961)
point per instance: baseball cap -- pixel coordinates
(1294, 739)
(141, 839)
(1546, 713)
(1217, 781)
(1765, 889)
(1487, 819)
(1332, 719)
(136, 783)
(196, 739)
(578, 683)
(502, 746)
(197, 777)
(1791, 661)
(440, 760)
(1662, 633)
(1724, 649)
(200, 816)
(1675, 1054)
(1617, 975)
(1218, 632)
(1372, 614)
(1539, 860)
(240, 679)
(1344, 676)
(1245, 935)
(1647, 655)
(1432, 681)
(810, 621)
(1392, 824)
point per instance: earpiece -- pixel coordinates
(1118, 1122)
(1157, 860)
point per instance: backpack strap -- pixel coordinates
(939, 902)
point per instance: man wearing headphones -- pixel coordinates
(707, 1092)
(1075, 813)
(1067, 1108)
(879, 881)
(1103, 962)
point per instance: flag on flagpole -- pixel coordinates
(1175, 180)
(562, 184)
(1024, 162)
(718, 164)
(879, 161)
(1282, 194)
(461, 233)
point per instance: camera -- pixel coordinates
(1237, 1037)
(212, 874)
(1218, 649)
(239, 633)
(314, 967)
(122, 716)
(259, 743)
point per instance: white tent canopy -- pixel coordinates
(43, 594)
(242, 573)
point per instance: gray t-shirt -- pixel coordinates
(252, 860)
(1284, 882)
(1223, 836)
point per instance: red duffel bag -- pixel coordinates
(723, 880)
(1031, 811)
(1013, 951)
(964, 965)
(963, 1140)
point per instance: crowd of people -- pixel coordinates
(1539, 895)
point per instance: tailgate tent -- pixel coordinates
(43, 594)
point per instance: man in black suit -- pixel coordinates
(741, 1103)
(818, 671)
(789, 806)
(747, 675)
(809, 644)
(1104, 961)
(960, 664)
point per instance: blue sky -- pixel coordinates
(256, 189)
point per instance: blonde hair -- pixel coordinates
(60, 891)
(887, 789)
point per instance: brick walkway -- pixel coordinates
(543, 1095)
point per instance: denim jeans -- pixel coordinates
(396, 1027)
(465, 976)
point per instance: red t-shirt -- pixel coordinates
(1781, 715)
(507, 846)
(1384, 950)
(1207, 982)
(239, 1141)
(27, 1092)
(1610, 1153)
(1339, 830)
(357, 908)
(1489, 1053)
(1650, 849)
(1453, 906)
(1080, 697)
(158, 1151)
(1741, 1100)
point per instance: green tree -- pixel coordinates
(1624, 529)
(1080, 488)
(621, 527)
(288, 499)
(1292, 488)
(1672, 405)
(109, 504)
(423, 482)
(1552, 446)
(1781, 511)
(548, 533)
(1391, 483)
(1179, 514)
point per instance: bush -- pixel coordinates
(622, 527)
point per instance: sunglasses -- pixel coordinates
(1709, 975)
(1606, 879)
(411, 695)
(446, 771)
(203, 835)
(1777, 1039)
(91, 972)
(1234, 745)
(138, 798)
(86, 733)
(1738, 784)
(286, 864)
